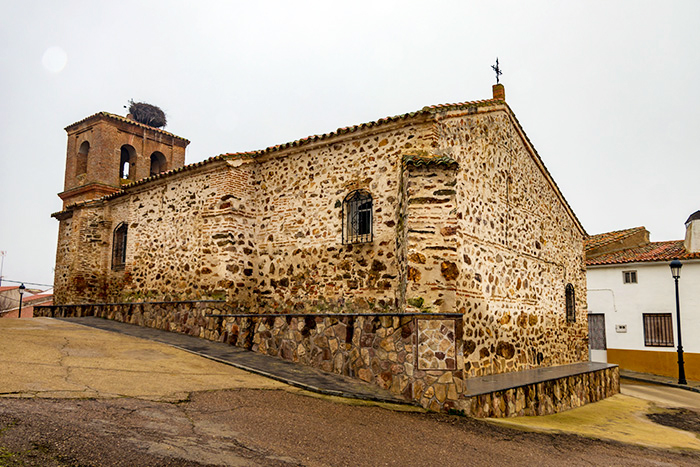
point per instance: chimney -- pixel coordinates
(692, 233)
(499, 92)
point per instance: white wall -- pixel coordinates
(624, 304)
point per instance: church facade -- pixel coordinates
(445, 210)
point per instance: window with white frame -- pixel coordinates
(629, 277)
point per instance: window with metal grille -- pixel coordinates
(658, 329)
(570, 303)
(629, 277)
(119, 247)
(357, 217)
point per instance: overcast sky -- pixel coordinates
(607, 91)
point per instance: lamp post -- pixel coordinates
(676, 273)
(21, 293)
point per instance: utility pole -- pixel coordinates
(2, 263)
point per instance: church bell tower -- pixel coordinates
(107, 151)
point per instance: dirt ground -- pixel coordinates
(249, 427)
(683, 419)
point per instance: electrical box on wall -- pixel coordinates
(620, 328)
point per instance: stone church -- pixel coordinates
(445, 220)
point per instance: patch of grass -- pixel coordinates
(8, 458)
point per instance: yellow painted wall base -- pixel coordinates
(655, 362)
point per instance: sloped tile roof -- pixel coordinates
(596, 241)
(126, 120)
(425, 111)
(425, 158)
(253, 154)
(652, 251)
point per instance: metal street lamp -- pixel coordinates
(21, 293)
(676, 273)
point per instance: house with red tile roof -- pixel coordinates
(10, 298)
(631, 300)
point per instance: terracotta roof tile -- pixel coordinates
(425, 158)
(126, 120)
(652, 251)
(596, 241)
(428, 110)
(253, 154)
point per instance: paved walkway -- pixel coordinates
(294, 374)
(662, 380)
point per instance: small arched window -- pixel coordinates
(119, 247)
(357, 217)
(570, 303)
(81, 163)
(158, 163)
(127, 163)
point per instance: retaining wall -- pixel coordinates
(415, 355)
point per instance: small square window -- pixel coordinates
(629, 277)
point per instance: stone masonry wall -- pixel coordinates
(405, 354)
(517, 248)
(188, 237)
(412, 356)
(545, 398)
(265, 233)
(303, 264)
(79, 276)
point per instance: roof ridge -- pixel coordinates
(431, 109)
(126, 120)
(665, 250)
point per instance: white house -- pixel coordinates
(632, 302)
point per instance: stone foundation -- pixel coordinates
(414, 355)
(546, 397)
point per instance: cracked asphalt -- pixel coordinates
(75, 396)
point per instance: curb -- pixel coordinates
(660, 383)
(298, 384)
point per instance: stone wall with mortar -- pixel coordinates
(412, 356)
(303, 263)
(403, 353)
(517, 246)
(544, 398)
(79, 275)
(188, 237)
(264, 233)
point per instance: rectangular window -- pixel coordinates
(629, 277)
(357, 218)
(658, 329)
(119, 247)
(570, 302)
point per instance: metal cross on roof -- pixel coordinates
(497, 70)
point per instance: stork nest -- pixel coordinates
(147, 114)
